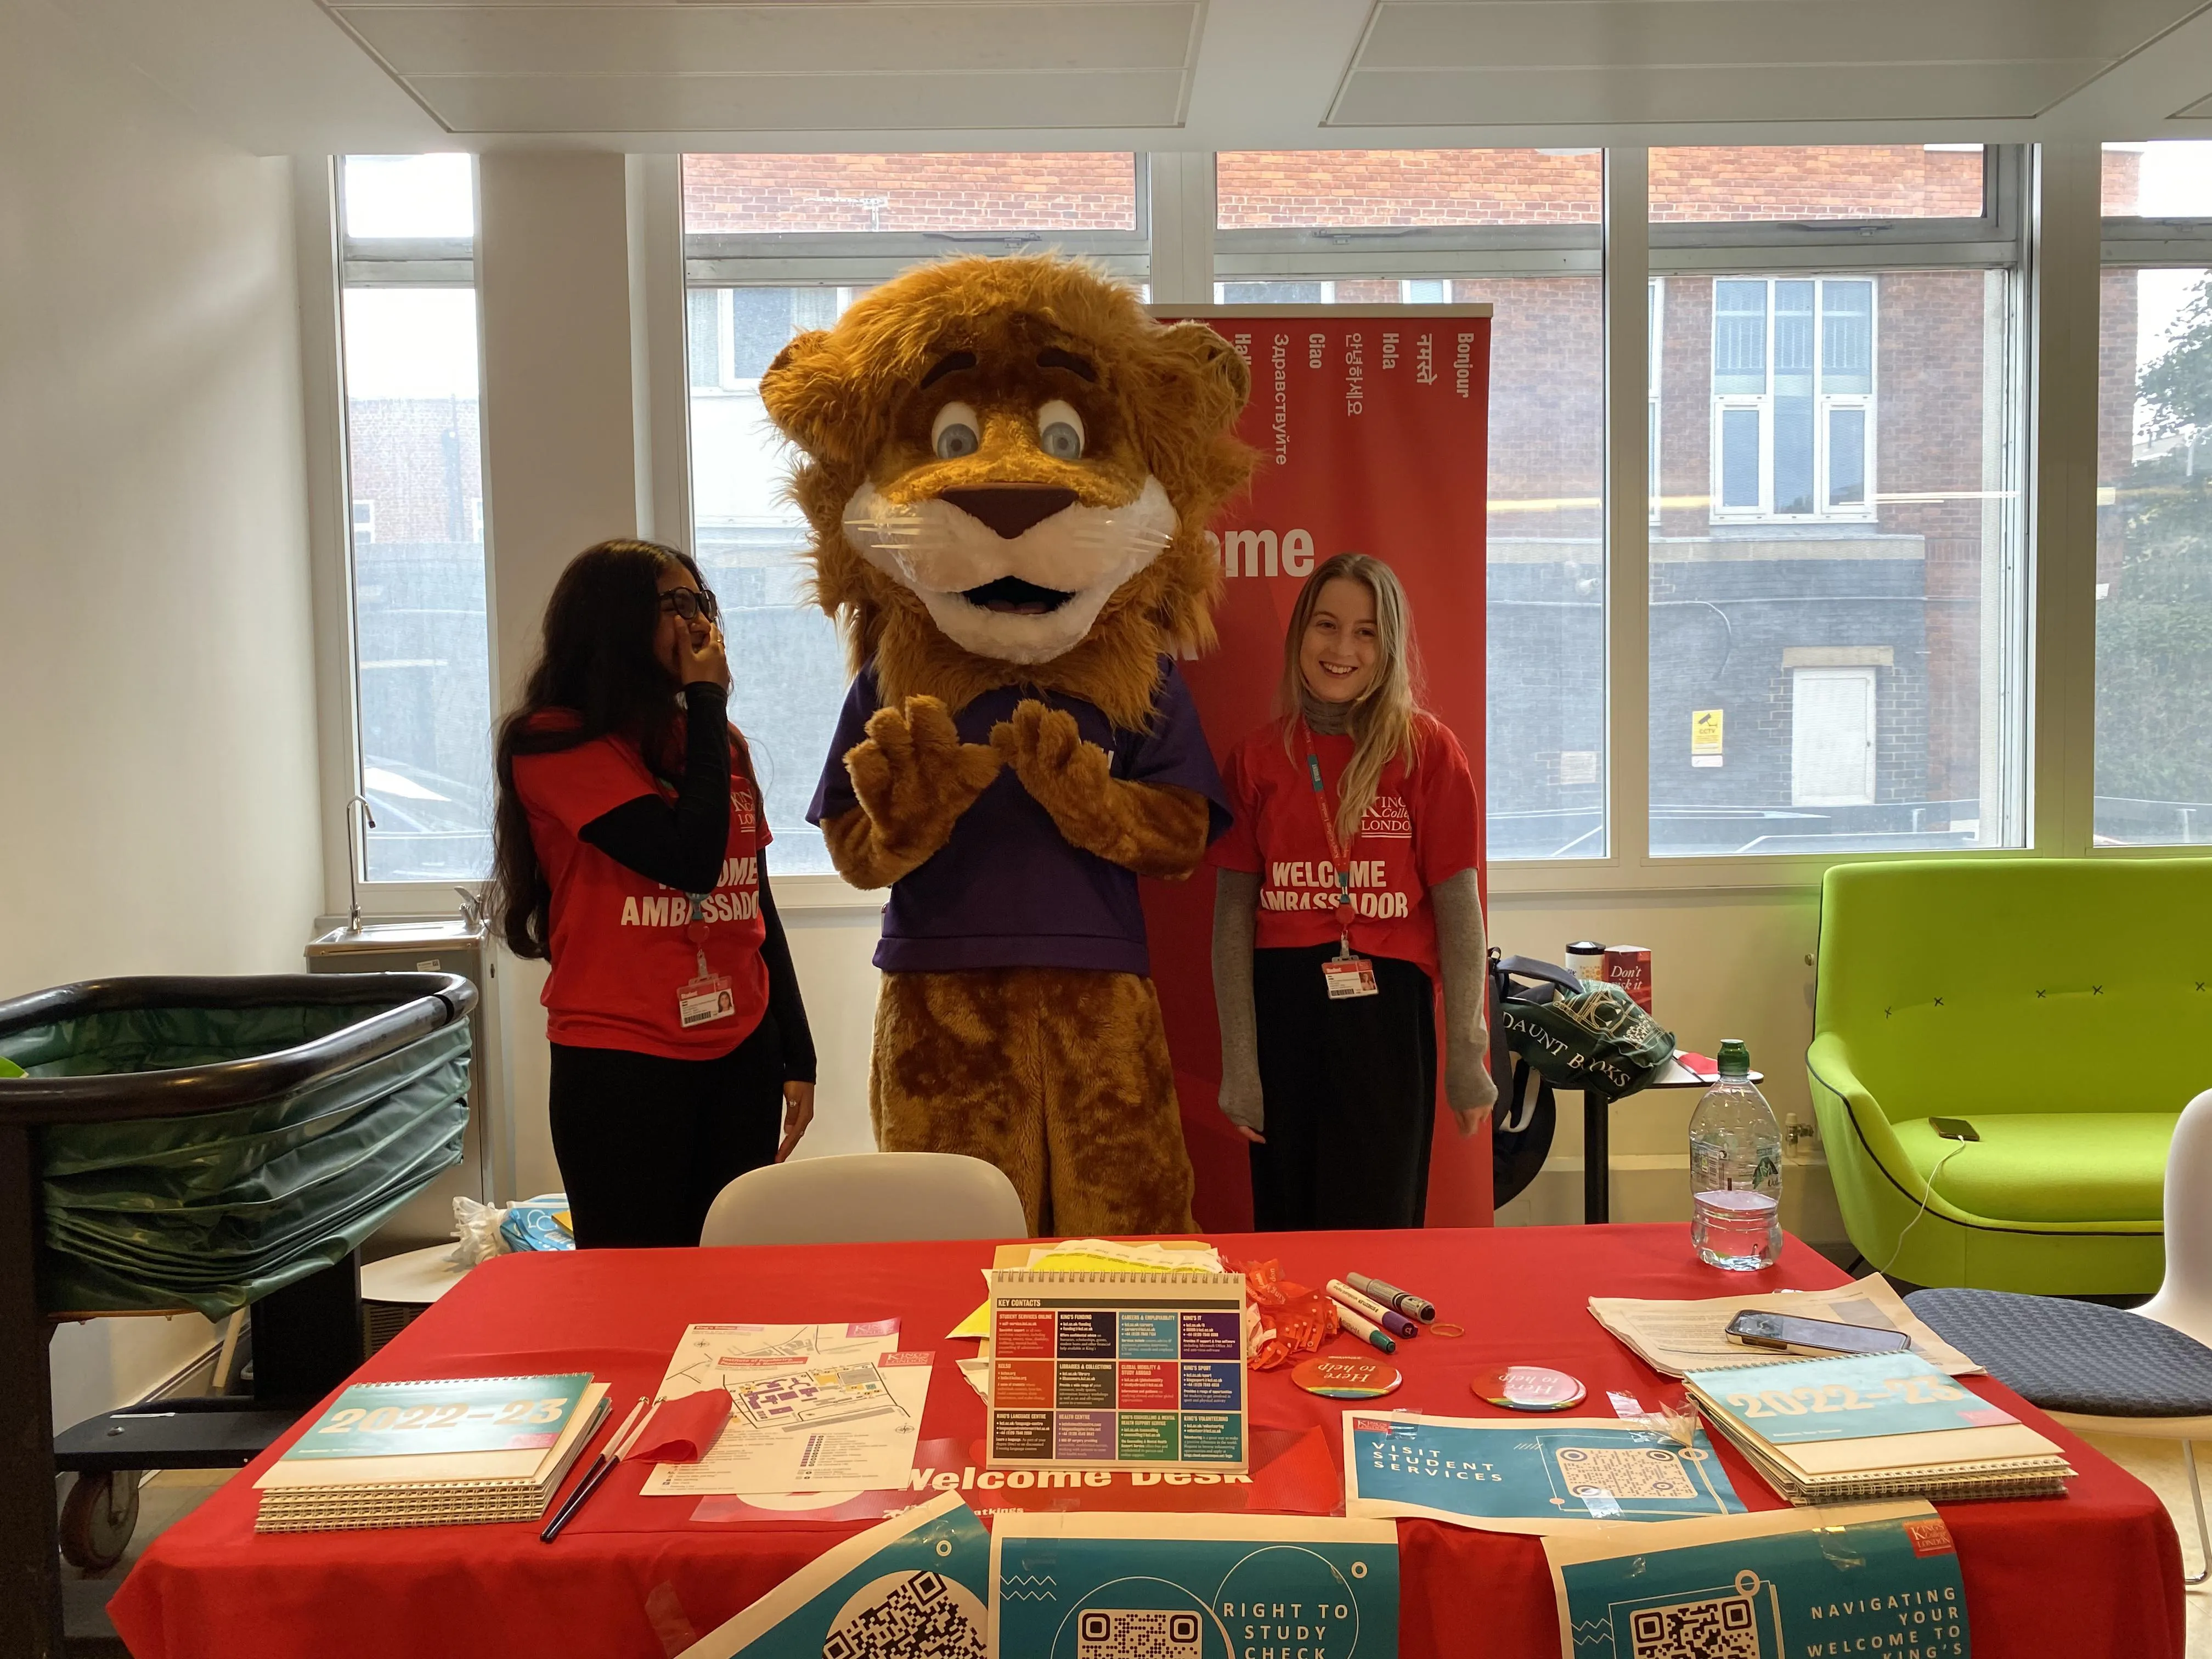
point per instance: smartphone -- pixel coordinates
(1791, 1334)
(1952, 1128)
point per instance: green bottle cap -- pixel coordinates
(1735, 1058)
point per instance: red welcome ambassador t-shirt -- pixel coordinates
(1419, 830)
(618, 939)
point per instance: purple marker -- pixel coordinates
(1368, 1307)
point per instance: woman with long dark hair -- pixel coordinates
(629, 854)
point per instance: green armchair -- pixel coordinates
(2064, 1008)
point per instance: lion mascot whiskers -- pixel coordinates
(1008, 469)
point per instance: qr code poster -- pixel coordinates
(1566, 1475)
(1104, 1586)
(1845, 1578)
(917, 1587)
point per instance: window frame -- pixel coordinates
(2040, 224)
(2000, 239)
(329, 263)
(2134, 242)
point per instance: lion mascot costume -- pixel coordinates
(1008, 469)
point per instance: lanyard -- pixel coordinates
(1339, 853)
(697, 929)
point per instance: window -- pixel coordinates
(2169, 179)
(776, 245)
(1277, 293)
(1836, 604)
(963, 198)
(751, 543)
(408, 318)
(2153, 585)
(1333, 191)
(1516, 228)
(1812, 183)
(1793, 397)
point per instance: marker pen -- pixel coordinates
(1368, 1307)
(1365, 1331)
(1404, 1301)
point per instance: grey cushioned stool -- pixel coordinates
(2100, 1369)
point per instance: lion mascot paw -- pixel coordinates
(1008, 468)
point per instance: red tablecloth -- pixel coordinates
(2098, 1573)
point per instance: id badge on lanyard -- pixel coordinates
(707, 996)
(1345, 974)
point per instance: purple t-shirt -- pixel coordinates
(1009, 891)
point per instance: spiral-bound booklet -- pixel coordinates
(1111, 1370)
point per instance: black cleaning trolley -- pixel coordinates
(181, 1144)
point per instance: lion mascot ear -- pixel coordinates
(807, 393)
(1195, 387)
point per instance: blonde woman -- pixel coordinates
(1344, 891)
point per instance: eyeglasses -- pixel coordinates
(691, 604)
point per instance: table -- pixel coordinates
(2097, 1573)
(1597, 1134)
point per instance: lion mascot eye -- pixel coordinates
(1060, 431)
(956, 431)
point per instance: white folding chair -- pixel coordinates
(866, 1197)
(2146, 1373)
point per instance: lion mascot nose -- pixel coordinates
(1010, 509)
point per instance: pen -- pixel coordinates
(1404, 1301)
(1368, 1307)
(617, 1444)
(1367, 1333)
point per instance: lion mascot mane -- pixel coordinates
(1008, 469)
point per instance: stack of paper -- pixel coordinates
(1673, 1337)
(1875, 1426)
(433, 1454)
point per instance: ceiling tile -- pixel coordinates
(1493, 33)
(1540, 97)
(799, 103)
(907, 37)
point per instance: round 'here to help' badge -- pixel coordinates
(1528, 1388)
(1347, 1377)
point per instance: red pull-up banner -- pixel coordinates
(1372, 425)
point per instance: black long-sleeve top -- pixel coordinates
(682, 844)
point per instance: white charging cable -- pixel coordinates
(1926, 1194)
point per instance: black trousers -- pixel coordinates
(1350, 1090)
(645, 1143)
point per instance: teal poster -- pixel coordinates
(1792, 1583)
(1104, 1586)
(1480, 1472)
(916, 1587)
(1855, 1398)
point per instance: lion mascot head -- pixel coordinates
(1009, 468)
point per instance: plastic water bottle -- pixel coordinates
(1736, 1170)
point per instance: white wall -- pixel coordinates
(157, 739)
(1724, 965)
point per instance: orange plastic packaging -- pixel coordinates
(1292, 1320)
